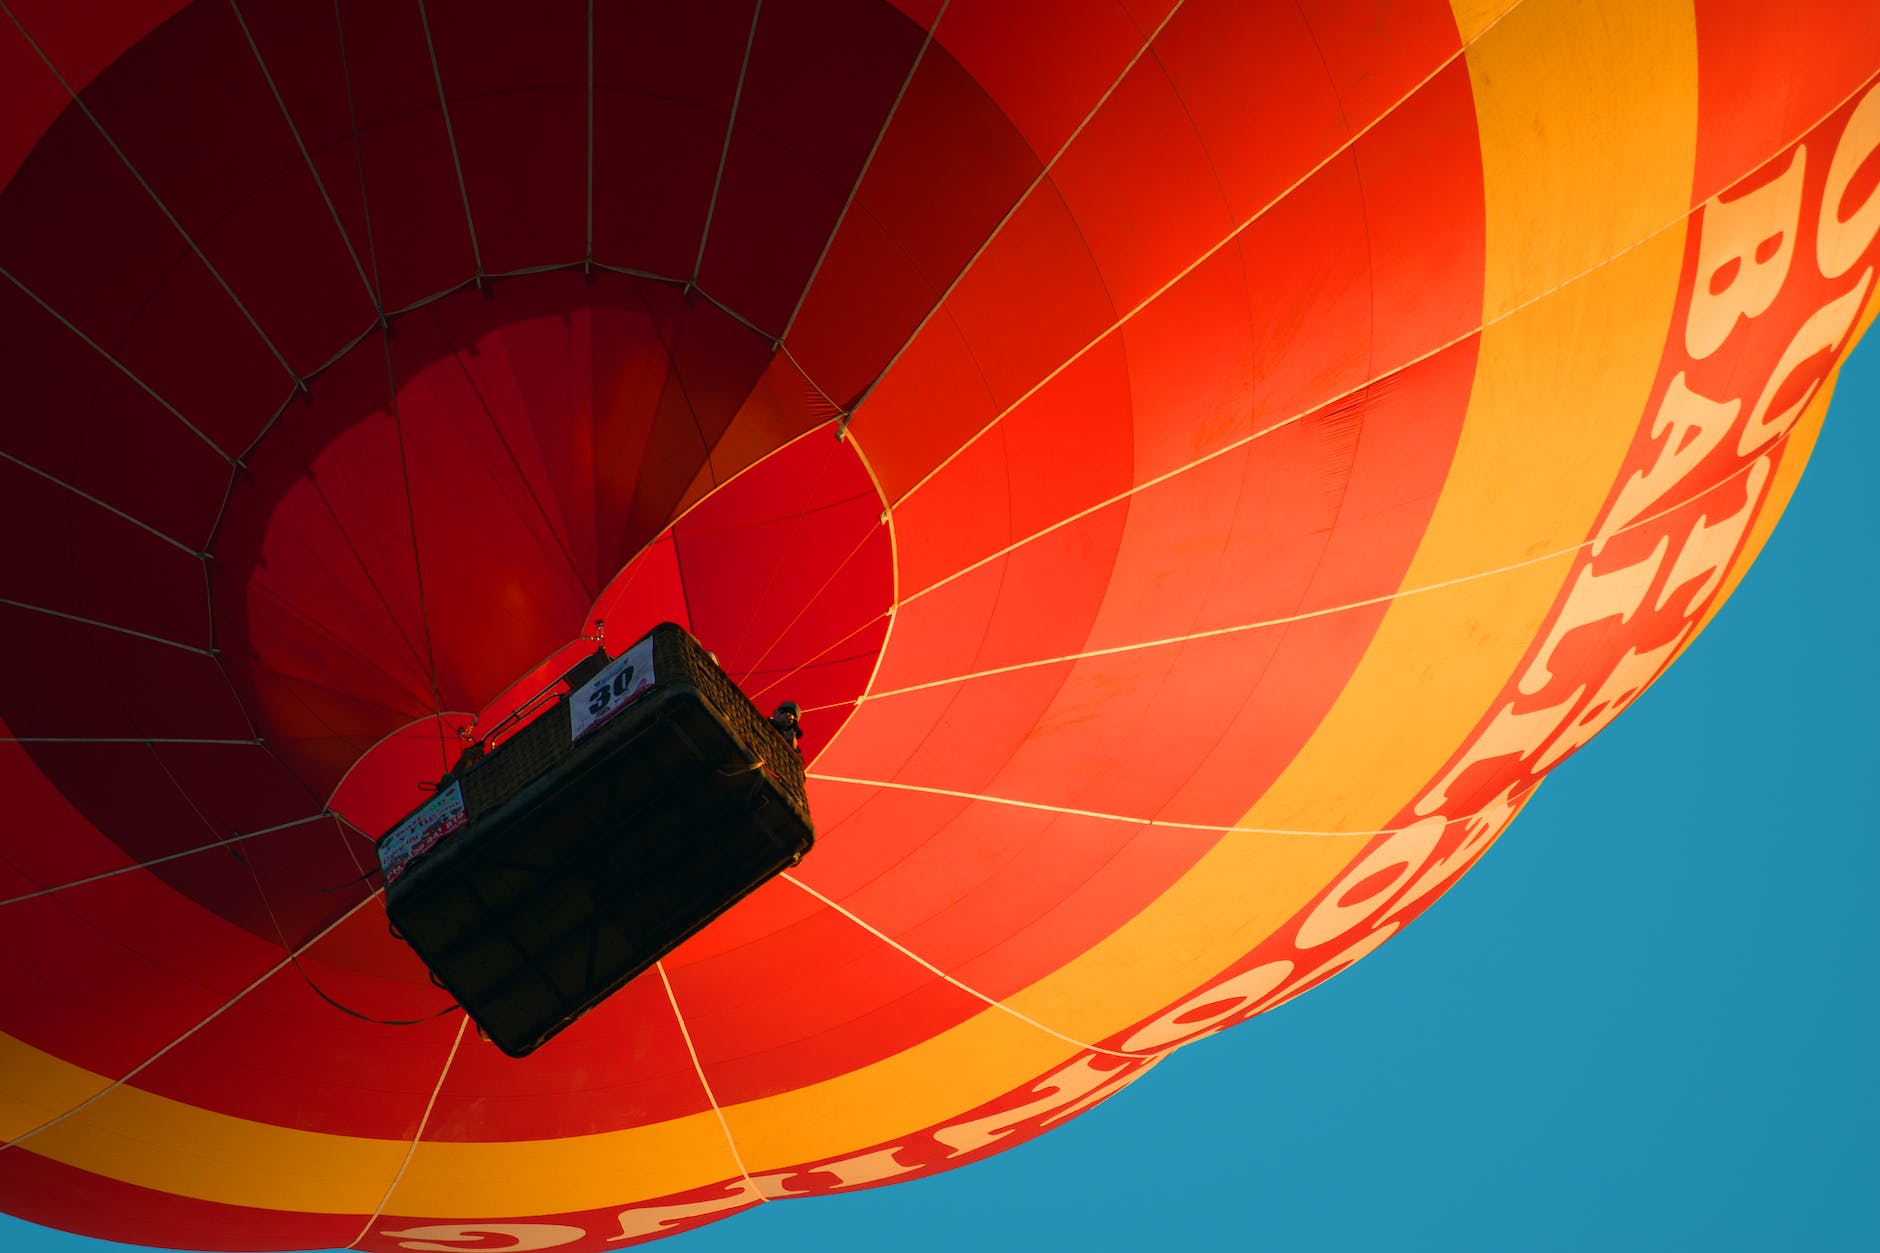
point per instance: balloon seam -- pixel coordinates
(111, 358)
(724, 153)
(698, 1068)
(973, 992)
(1068, 811)
(305, 157)
(856, 187)
(150, 191)
(157, 1056)
(417, 1137)
(450, 137)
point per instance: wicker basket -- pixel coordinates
(588, 848)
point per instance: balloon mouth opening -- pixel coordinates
(798, 541)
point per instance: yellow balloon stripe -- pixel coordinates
(1559, 386)
(171, 1146)
(127, 1135)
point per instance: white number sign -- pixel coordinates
(613, 689)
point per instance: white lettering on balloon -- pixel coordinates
(1078, 1084)
(642, 1221)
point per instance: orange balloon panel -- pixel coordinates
(1198, 466)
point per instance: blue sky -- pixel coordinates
(1646, 1020)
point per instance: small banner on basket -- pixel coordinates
(612, 690)
(414, 837)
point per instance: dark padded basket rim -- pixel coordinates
(675, 653)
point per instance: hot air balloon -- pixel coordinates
(1197, 466)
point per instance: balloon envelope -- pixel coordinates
(1197, 466)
